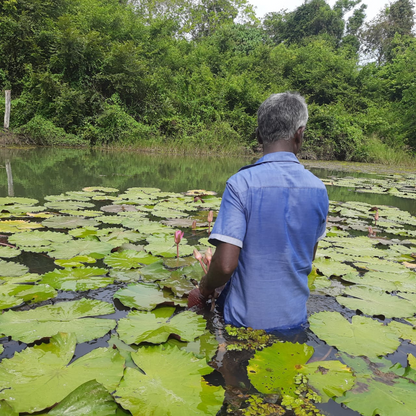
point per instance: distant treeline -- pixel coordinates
(192, 73)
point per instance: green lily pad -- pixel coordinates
(12, 200)
(15, 226)
(83, 232)
(378, 391)
(90, 398)
(118, 208)
(63, 197)
(403, 331)
(38, 241)
(155, 272)
(363, 336)
(332, 268)
(73, 248)
(330, 379)
(374, 301)
(155, 327)
(6, 409)
(179, 286)
(145, 297)
(64, 221)
(45, 321)
(118, 236)
(272, 370)
(81, 213)
(9, 252)
(166, 247)
(128, 259)
(204, 346)
(77, 261)
(29, 379)
(8, 268)
(77, 279)
(156, 391)
(99, 189)
(24, 292)
(128, 276)
(68, 205)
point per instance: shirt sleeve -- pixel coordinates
(230, 225)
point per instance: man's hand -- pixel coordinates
(224, 262)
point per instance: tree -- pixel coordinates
(379, 36)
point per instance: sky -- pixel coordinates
(267, 6)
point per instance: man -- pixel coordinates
(272, 215)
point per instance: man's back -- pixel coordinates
(275, 211)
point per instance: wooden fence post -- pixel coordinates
(7, 110)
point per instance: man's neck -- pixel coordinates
(280, 146)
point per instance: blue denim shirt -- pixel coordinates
(275, 211)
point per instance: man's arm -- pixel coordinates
(224, 262)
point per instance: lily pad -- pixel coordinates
(17, 293)
(8, 268)
(374, 301)
(77, 261)
(129, 259)
(378, 391)
(29, 379)
(45, 321)
(9, 252)
(77, 279)
(38, 241)
(272, 370)
(145, 297)
(155, 327)
(155, 272)
(363, 336)
(68, 205)
(64, 221)
(99, 189)
(332, 268)
(14, 226)
(156, 390)
(179, 286)
(128, 276)
(90, 398)
(73, 248)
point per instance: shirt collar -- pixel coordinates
(279, 157)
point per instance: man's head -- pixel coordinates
(281, 116)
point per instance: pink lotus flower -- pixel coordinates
(178, 238)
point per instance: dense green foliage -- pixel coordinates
(192, 73)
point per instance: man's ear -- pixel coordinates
(299, 138)
(259, 138)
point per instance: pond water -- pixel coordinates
(38, 172)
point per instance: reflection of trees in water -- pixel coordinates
(44, 171)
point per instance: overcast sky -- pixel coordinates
(266, 6)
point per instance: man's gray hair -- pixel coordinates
(280, 116)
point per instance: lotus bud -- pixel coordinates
(198, 256)
(210, 219)
(194, 225)
(208, 257)
(178, 238)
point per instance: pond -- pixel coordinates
(364, 274)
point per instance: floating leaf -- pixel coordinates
(45, 321)
(332, 268)
(9, 252)
(99, 189)
(155, 327)
(12, 200)
(363, 336)
(17, 293)
(118, 208)
(403, 331)
(374, 301)
(378, 391)
(128, 259)
(8, 268)
(14, 226)
(157, 391)
(68, 205)
(179, 286)
(272, 370)
(90, 398)
(128, 276)
(77, 279)
(6, 409)
(63, 221)
(145, 297)
(41, 376)
(204, 346)
(74, 248)
(83, 213)
(329, 378)
(155, 272)
(38, 241)
(75, 261)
